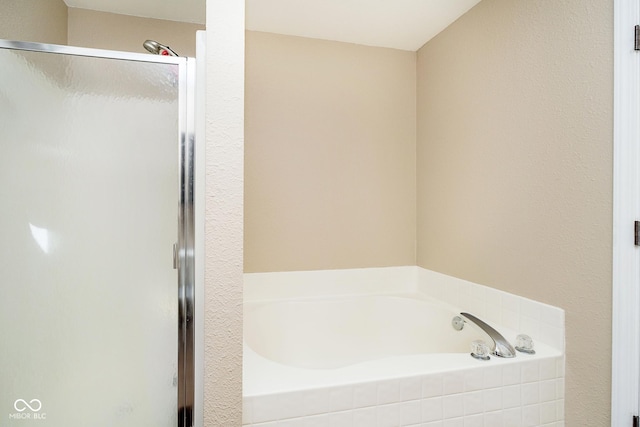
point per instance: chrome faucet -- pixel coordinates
(501, 346)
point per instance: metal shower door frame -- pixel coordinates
(186, 229)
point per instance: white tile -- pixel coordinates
(453, 422)
(511, 374)
(551, 335)
(365, 417)
(473, 379)
(411, 412)
(452, 406)
(449, 295)
(512, 417)
(560, 410)
(341, 419)
(492, 400)
(493, 419)
(492, 377)
(548, 369)
(552, 316)
(474, 421)
(388, 391)
(530, 371)
(432, 409)
(247, 410)
(439, 292)
(316, 421)
(548, 412)
(266, 408)
(433, 424)
(547, 390)
(432, 385)
(531, 416)
(511, 302)
(511, 319)
(530, 327)
(473, 403)
(453, 383)
(434, 289)
(530, 309)
(315, 401)
(472, 300)
(454, 290)
(388, 415)
(493, 298)
(511, 396)
(291, 422)
(270, 424)
(410, 388)
(340, 398)
(560, 367)
(530, 393)
(292, 405)
(365, 394)
(560, 388)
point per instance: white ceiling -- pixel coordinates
(174, 10)
(399, 24)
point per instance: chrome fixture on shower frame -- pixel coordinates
(158, 49)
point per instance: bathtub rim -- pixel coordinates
(265, 377)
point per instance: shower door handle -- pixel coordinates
(175, 256)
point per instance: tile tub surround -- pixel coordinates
(412, 390)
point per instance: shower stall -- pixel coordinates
(97, 237)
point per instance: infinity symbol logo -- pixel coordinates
(37, 405)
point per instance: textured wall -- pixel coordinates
(330, 155)
(102, 30)
(515, 168)
(224, 213)
(34, 21)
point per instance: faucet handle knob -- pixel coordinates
(458, 323)
(480, 350)
(524, 344)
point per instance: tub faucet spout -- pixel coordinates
(501, 346)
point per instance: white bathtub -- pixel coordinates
(330, 333)
(371, 347)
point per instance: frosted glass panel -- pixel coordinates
(88, 211)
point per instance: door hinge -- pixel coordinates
(637, 38)
(636, 421)
(636, 233)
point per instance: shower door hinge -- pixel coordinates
(637, 38)
(636, 421)
(636, 233)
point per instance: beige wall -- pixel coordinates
(42, 21)
(515, 168)
(102, 30)
(224, 213)
(330, 155)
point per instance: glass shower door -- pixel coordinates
(91, 204)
